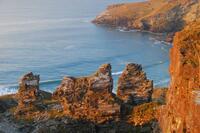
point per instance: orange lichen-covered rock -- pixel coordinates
(28, 93)
(182, 112)
(133, 86)
(91, 97)
(143, 114)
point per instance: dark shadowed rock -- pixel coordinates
(91, 97)
(133, 86)
(7, 102)
(159, 95)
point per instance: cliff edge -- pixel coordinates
(182, 112)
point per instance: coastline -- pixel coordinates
(162, 36)
(150, 16)
(88, 104)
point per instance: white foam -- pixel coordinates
(116, 73)
(50, 81)
(7, 90)
(165, 81)
(12, 88)
(157, 42)
(123, 29)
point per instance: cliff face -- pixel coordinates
(162, 16)
(182, 112)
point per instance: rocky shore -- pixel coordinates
(157, 16)
(84, 104)
(87, 104)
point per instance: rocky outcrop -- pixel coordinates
(159, 95)
(91, 97)
(28, 94)
(182, 112)
(160, 16)
(133, 86)
(84, 104)
(7, 102)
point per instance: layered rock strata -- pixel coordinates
(182, 112)
(133, 86)
(160, 16)
(91, 97)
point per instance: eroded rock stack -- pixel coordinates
(28, 93)
(91, 97)
(133, 86)
(182, 112)
(84, 104)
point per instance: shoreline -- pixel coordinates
(150, 16)
(125, 29)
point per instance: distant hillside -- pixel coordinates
(160, 16)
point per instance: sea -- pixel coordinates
(55, 38)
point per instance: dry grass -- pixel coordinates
(143, 114)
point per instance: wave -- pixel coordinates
(8, 89)
(126, 30)
(162, 82)
(12, 88)
(157, 41)
(50, 81)
(117, 73)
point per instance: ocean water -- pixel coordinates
(55, 38)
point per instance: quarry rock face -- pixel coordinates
(28, 93)
(182, 112)
(91, 97)
(133, 86)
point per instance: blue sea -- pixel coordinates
(55, 38)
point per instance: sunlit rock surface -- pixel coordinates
(84, 104)
(133, 86)
(90, 97)
(182, 112)
(28, 93)
(160, 16)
